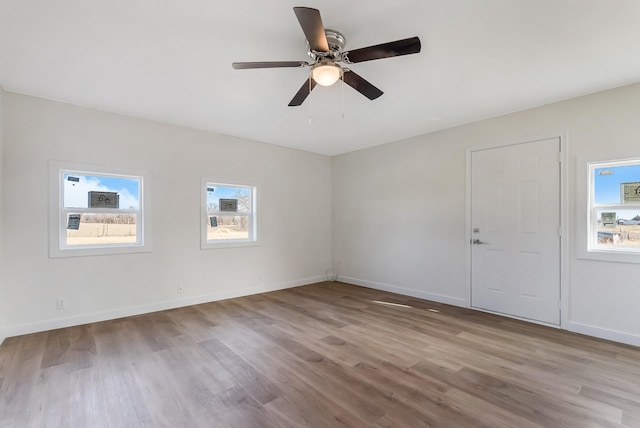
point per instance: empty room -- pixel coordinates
(330, 214)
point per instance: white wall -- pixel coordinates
(398, 213)
(294, 216)
(399, 209)
(2, 296)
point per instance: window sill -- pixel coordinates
(235, 244)
(610, 256)
(55, 253)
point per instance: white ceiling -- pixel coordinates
(170, 61)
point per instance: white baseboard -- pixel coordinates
(53, 324)
(576, 327)
(603, 333)
(17, 330)
(440, 298)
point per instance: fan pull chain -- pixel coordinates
(342, 93)
(309, 101)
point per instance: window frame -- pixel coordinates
(252, 241)
(58, 248)
(588, 246)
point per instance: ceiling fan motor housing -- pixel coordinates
(336, 42)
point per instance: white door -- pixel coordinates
(515, 222)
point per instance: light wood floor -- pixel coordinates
(323, 355)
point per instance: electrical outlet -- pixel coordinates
(62, 303)
(180, 288)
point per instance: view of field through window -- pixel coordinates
(101, 209)
(103, 229)
(228, 212)
(616, 196)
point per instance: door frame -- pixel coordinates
(564, 221)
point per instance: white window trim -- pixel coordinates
(204, 216)
(57, 212)
(585, 213)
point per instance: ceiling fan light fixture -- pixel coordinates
(326, 73)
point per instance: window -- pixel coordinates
(96, 210)
(229, 218)
(614, 206)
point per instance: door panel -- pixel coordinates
(515, 214)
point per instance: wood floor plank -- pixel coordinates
(83, 398)
(158, 389)
(82, 351)
(259, 387)
(317, 408)
(191, 320)
(631, 418)
(50, 408)
(421, 396)
(323, 355)
(288, 414)
(488, 413)
(19, 387)
(119, 399)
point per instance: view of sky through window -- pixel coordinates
(608, 181)
(215, 193)
(77, 188)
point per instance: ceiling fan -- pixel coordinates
(326, 49)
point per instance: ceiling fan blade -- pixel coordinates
(361, 85)
(311, 24)
(384, 50)
(303, 92)
(268, 64)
